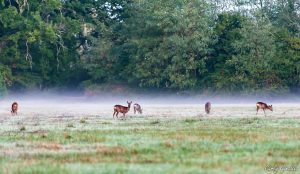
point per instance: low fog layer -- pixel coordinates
(160, 105)
(146, 98)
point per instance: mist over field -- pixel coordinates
(158, 104)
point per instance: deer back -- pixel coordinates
(261, 105)
(137, 107)
(120, 108)
(14, 107)
(207, 107)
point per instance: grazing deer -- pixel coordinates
(137, 108)
(14, 108)
(207, 107)
(263, 106)
(122, 109)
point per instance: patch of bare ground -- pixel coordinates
(110, 150)
(49, 146)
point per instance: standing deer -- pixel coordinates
(263, 106)
(122, 109)
(207, 107)
(137, 108)
(14, 108)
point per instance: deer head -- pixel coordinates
(129, 103)
(270, 107)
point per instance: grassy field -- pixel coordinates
(32, 143)
(150, 145)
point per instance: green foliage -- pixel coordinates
(5, 79)
(2, 86)
(252, 67)
(35, 41)
(227, 32)
(168, 44)
(171, 44)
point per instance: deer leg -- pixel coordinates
(265, 113)
(256, 110)
(117, 114)
(134, 110)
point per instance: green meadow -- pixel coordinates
(149, 145)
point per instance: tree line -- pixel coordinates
(178, 45)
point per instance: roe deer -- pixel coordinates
(263, 106)
(14, 108)
(122, 109)
(137, 108)
(207, 107)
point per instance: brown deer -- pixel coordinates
(14, 108)
(263, 106)
(137, 108)
(122, 109)
(207, 107)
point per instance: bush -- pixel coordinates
(3, 90)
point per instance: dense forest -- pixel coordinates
(208, 46)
